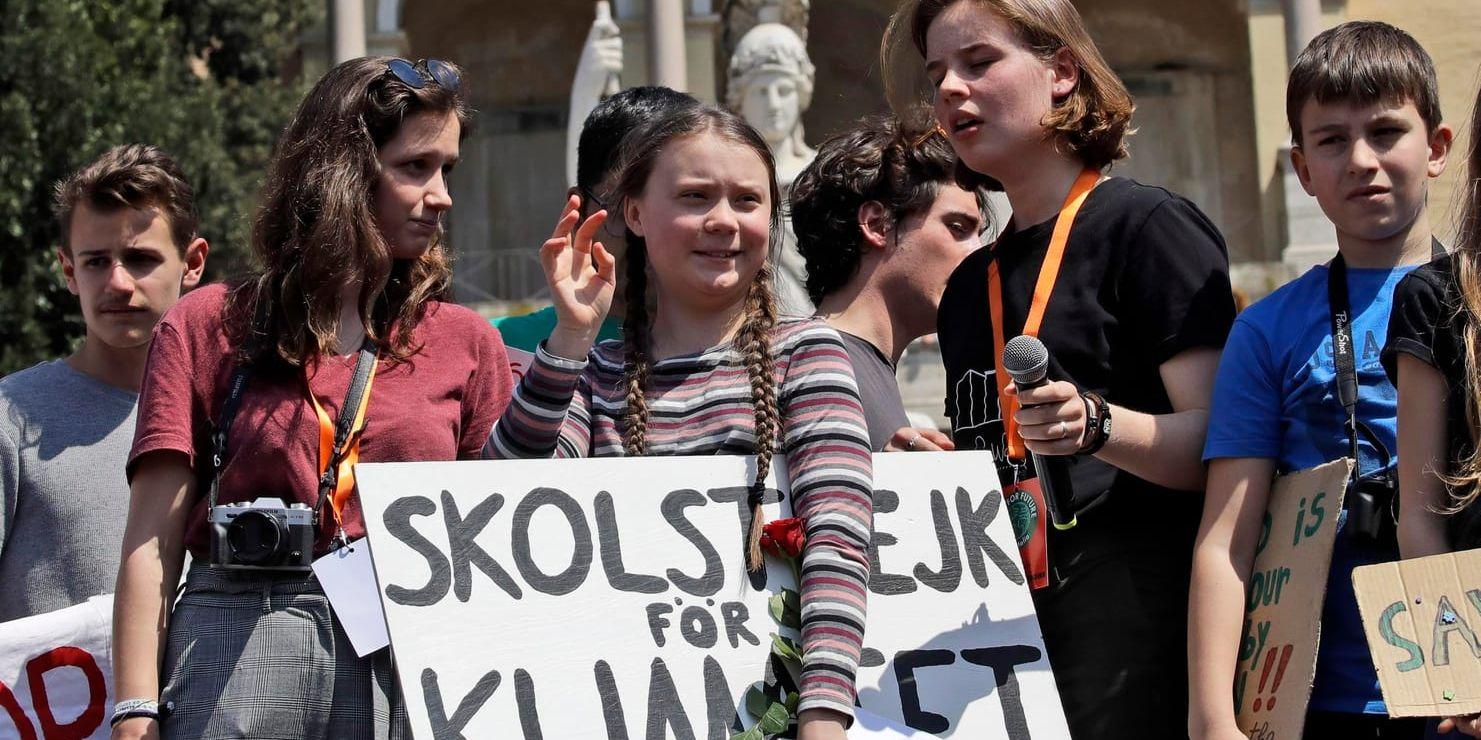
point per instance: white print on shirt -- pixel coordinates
(977, 410)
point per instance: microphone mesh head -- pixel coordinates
(1026, 359)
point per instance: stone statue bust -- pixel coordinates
(771, 85)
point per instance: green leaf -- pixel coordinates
(785, 647)
(792, 609)
(792, 699)
(776, 719)
(752, 734)
(757, 701)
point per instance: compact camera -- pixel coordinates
(266, 534)
(1372, 509)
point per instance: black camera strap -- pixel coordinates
(1343, 356)
(250, 347)
(343, 426)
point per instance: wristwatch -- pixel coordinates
(1097, 424)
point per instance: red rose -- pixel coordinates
(784, 537)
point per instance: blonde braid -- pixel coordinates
(637, 342)
(753, 341)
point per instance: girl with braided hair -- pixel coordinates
(708, 369)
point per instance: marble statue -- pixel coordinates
(598, 75)
(770, 83)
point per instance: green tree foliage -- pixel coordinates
(202, 79)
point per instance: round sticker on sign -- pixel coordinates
(1023, 512)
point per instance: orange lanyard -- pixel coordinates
(1048, 274)
(344, 459)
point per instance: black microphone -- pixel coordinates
(1026, 360)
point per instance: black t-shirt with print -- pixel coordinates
(1145, 276)
(1428, 322)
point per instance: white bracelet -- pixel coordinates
(131, 708)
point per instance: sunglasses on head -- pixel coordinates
(417, 75)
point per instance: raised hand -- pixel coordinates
(581, 274)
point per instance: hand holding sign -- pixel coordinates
(1277, 654)
(1464, 725)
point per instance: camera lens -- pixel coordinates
(255, 537)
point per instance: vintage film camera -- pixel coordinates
(266, 534)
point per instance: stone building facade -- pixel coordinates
(1208, 77)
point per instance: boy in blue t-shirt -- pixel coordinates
(1365, 122)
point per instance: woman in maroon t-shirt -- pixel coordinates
(349, 239)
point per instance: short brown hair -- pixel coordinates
(880, 159)
(1361, 63)
(1094, 120)
(130, 176)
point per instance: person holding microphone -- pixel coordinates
(1128, 287)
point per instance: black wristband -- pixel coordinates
(1098, 426)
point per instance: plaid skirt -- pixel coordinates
(255, 655)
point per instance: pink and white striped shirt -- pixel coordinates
(700, 404)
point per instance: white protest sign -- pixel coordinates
(56, 676)
(608, 598)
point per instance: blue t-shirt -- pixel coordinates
(1275, 397)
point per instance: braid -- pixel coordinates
(637, 342)
(754, 343)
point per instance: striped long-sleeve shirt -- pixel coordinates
(701, 405)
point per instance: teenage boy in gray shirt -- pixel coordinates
(129, 249)
(881, 222)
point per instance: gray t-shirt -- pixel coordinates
(64, 439)
(884, 411)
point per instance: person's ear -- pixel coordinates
(195, 263)
(632, 216)
(874, 225)
(69, 270)
(1440, 140)
(1298, 163)
(1064, 73)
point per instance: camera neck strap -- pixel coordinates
(1343, 356)
(250, 347)
(339, 442)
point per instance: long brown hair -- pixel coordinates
(1465, 483)
(1092, 122)
(315, 230)
(752, 340)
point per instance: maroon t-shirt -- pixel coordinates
(439, 405)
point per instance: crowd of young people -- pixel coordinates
(664, 339)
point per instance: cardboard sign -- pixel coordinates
(1421, 619)
(607, 598)
(56, 675)
(1283, 608)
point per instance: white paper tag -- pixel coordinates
(348, 580)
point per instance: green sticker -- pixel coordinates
(1023, 512)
